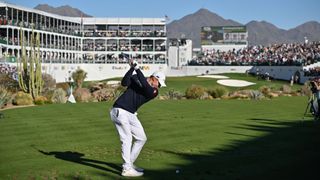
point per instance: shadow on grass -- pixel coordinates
(77, 157)
(287, 150)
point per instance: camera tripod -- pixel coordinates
(312, 106)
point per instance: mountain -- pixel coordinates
(62, 10)
(310, 29)
(259, 32)
(190, 26)
(265, 33)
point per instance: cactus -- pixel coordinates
(29, 67)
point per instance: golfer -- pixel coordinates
(124, 114)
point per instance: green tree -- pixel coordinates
(78, 77)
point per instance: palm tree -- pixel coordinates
(78, 77)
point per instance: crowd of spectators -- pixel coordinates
(121, 33)
(276, 54)
(315, 71)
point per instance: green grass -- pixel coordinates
(181, 84)
(217, 139)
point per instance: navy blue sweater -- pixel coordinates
(137, 93)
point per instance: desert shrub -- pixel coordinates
(195, 92)
(78, 77)
(49, 82)
(265, 90)
(241, 94)
(218, 92)
(5, 96)
(246, 94)
(48, 95)
(286, 89)
(59, 96)
(173, 94)
(22, 98)
(65, 86)
(82, 95)
(105, 94)
(9, 83)
(256, 95)
(40, 100)
(306, 89)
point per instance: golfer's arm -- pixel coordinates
(149, 91)
(126, 79)
(142, 79)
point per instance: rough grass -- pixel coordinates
(217, 139)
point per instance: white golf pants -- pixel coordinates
(128, 126)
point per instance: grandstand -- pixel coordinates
(94, 44)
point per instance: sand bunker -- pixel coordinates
(113, 82)
(235, 83)
(214, 76)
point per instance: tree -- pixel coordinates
(78, 77)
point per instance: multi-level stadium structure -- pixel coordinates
(101, 46)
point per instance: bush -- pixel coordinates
(48, 95)
(59, 96)
(265, 90)
(65, 86)
(105, 94)
(78, 77)
(40, 100)
(256, 95)
(286, 89)
(82, 95)
(22, 98)
(49, 82)
(195, 92)
(306, 89)
(5, 96)
(173, 95)
(9, 83)
(218, 92)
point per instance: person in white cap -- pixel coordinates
(124, 114)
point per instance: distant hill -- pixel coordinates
(190, 25)
(62, 10)
(266, 33)
(258, 32)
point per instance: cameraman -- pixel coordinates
(315, 88)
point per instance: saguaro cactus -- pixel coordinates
(29, 67)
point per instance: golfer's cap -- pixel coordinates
(160, 77)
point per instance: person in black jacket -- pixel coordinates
(124, 114)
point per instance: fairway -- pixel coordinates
(202, 139)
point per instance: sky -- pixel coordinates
(284, 14)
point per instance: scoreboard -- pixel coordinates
(223, 35)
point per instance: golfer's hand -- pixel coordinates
(134, 64)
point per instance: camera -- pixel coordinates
(313, 85)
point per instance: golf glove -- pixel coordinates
(134, 64)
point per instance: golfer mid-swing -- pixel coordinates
(132, 136)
